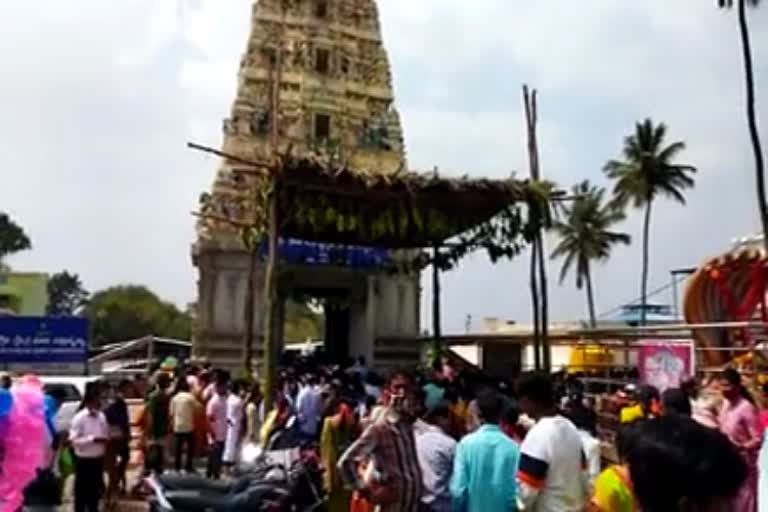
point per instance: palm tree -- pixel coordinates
(586, 236)
(648, 171)
(754, 134)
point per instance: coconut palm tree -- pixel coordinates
(754, 134)
(585, 236)
(647, 172)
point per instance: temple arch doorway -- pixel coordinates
(332, 312)
(341, 297)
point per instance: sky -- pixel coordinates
(98, 99)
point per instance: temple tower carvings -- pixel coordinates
(335, 102)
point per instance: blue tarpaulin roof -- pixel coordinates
(654, 313)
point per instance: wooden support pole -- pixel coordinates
(534, 285)
(437, 336)
(270, 306)
(539, 285)
(150, 353)
(546, 359)
(249, 316)
(258, 167)
(530, 123)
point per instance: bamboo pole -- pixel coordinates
(270, 306)
(248, 312)
(436, 327)
(270, 277)
(539, 287)
(546, 359)
(534, 285)
(256, 167)
(530, 122)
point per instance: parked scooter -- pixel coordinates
(43, 494)
(286, 437)
(256, 496)
(264, 487)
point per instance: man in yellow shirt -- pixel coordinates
(183, 411)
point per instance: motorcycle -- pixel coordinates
(259, 486)
(256, 496)
(286, 437)
(43, 494)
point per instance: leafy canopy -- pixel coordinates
(648, 168)
(66, 294)
(13, 239)
(584, 230)
(127, 312)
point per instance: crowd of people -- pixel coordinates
(436, 441)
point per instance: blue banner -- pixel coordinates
(28, 339)
(313, 253)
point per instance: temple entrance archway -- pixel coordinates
(343, 296)
(334, 308)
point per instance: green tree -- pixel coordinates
(66, 295)
(13, 239)
(585, 236)
(749, 81)
(302, 323)
(127, 312)
(648, 171)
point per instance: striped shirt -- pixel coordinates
(388, 443)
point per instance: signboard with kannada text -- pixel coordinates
(43, 340)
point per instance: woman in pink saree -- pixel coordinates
(739, 420)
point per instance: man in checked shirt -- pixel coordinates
(393, 477)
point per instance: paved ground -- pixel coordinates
(128, 504)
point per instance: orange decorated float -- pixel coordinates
(726, 289)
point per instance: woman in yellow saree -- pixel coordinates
(338, 432)
(613, 487)
(613, 491)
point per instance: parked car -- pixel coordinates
(72, 389)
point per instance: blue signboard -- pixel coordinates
(26, 339)
(314, 253)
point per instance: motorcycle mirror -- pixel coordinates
(159, 493)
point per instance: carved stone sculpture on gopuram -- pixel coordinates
(335, 98)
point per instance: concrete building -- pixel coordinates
(24, 293)
(504, 344)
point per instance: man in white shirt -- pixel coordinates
(216, 412)
(584, 419)
(552, 470)
(89, 434)
(309, 405)
(435, 450)
(234, 425)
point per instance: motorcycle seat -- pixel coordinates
(248, 500)
(198, 483)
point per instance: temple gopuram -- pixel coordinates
(322, 65)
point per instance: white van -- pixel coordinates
(72, 389)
